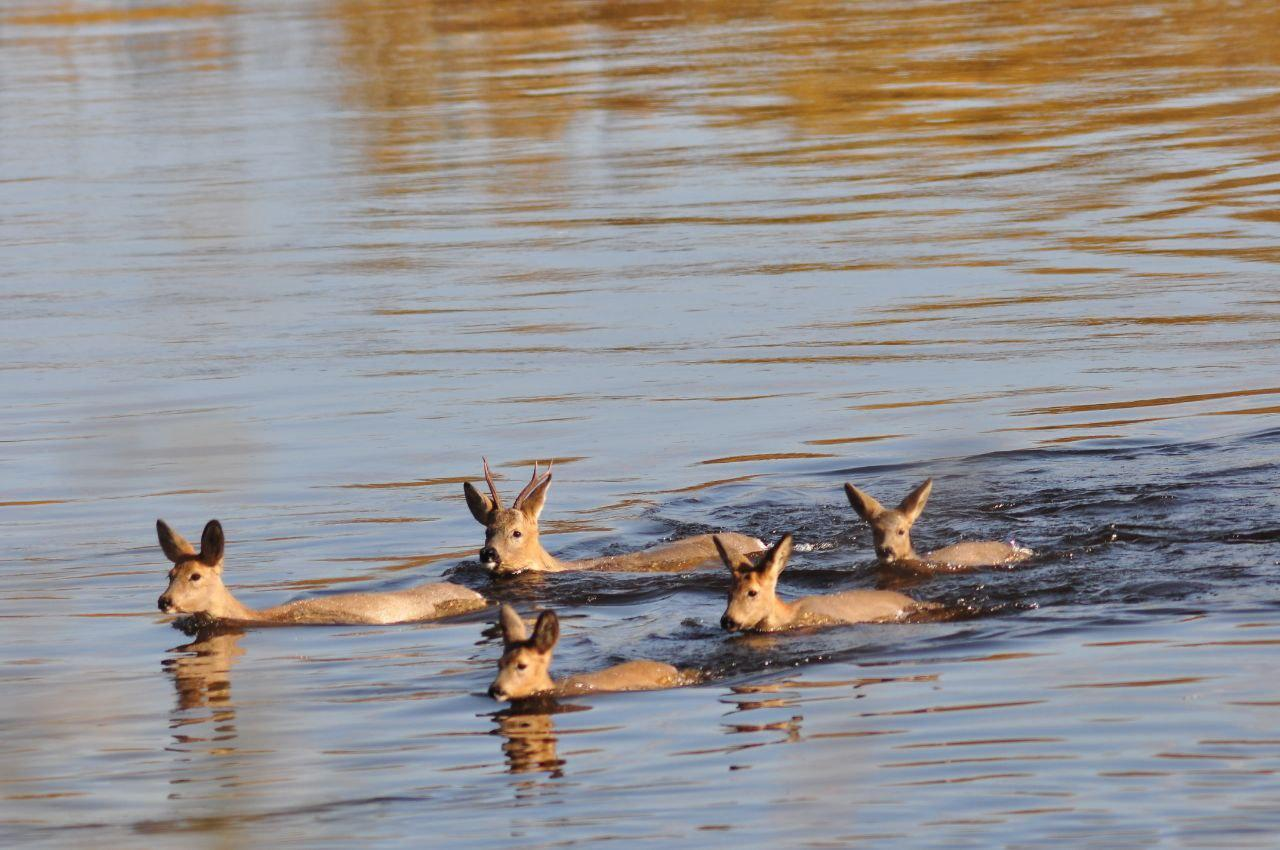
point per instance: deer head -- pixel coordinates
(753, 597)
(195, 581)
(523, 670)
(510, 534)
(891, 527)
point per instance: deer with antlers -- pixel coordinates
(511, 543)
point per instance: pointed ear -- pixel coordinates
(546, 631)
(513, 630)
(212, 544)
(867, 507)
(734, 560)
(175, 546)
(481, 505)
(776, 557)
(913, 505)
(531, 505)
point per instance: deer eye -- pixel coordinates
(522, 666)
(194, 577)
(516, 534)
(753, 593)
(901, 532)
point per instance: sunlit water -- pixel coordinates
(298, 265)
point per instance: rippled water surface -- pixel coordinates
(298, 265)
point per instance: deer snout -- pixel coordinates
(729, 624)
(164, 603)
(489, 556)
(497, 693)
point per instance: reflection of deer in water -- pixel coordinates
(195, 587)
(511, 543)
(530, 742)
(202, 677)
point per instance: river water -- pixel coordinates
(298, 265)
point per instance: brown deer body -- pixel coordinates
(754, 605)
(891, 529)
(512, 545)
(524, 669)
(195, 587)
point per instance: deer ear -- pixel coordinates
(733, 559)
(776, 557)
(481, 505)
(212, 545)
(867, 507)
(175, 546)
(913, 505)
(531, 504)
(513, 630)
(546, 631)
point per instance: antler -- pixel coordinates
(533, 483)
(493, 488)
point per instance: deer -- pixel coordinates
(891, 529)
(754, 605)
(195, 587)
(524, 668)
(511, 543)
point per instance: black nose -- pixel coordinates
(489, 555)
(727, 624)
(163, 603)
(494, 692)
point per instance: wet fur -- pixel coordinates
(891, 530)
(512, 542)
(207, 596)
(524, 669)
(754, 605)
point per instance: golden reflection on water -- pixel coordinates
(971, 79)
(1065, 142)
(72, 14)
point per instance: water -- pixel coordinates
(298, 265)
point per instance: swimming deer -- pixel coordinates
(195, 587)
(511, 542)
(523, 668)
(891, 529)
(754, 605)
